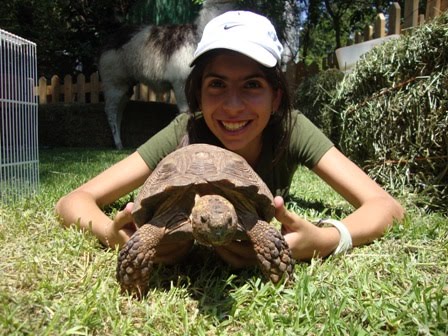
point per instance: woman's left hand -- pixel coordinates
(121, 228)
(305, 239)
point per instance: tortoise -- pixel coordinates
(206, 194)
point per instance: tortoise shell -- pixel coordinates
(203, 169)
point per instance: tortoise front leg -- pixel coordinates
(273, 253)
(136, 260)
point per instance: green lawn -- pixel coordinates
(62, 282)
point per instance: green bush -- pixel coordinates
(391, 113)
(314, 94)
(394, 113)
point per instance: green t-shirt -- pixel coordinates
(307, 145)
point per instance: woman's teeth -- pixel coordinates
(234, 126)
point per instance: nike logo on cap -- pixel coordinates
(226, 27)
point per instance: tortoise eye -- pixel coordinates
(203, 219)
(229, 220)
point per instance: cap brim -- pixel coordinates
(252, 50)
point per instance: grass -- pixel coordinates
(62, 282)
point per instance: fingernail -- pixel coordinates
(129, 207)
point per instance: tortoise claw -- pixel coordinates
(273, 254)
(136, 261)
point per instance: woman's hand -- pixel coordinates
(304, 238)
(121, 228)
(237, 254)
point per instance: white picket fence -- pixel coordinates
(19, 152)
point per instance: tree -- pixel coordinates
(67, 31)
(312, 11)
(284, 15)
(331, 23)
(64, 30)
(163, 12)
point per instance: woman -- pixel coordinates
(237, 84)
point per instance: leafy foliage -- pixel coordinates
(274, 10)
(66, 32)
(161, 12)
(394, 113)
(330, 24)
(71, 32)
(314, 94)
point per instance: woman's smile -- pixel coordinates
(234, 126)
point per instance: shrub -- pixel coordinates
(314, 94)
(394, 113)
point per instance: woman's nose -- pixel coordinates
(233, 102)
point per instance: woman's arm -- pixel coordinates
(82, 206)
(375, 209)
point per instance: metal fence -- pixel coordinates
(19, 152)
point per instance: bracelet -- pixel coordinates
(345, 242)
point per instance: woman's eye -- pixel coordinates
(216, 84)
(253, 84)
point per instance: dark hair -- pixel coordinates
(280, 121)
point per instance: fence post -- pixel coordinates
(135, 92)
(432, 9)
(68, 89)
(172, 97)
(380, 26)
(368, 33)
(394, 18)
(55, 89)
(42, 90)
(81, 88)
(443, 5)
(152, 96)
(143, 92)
(94, 88)
(421, 19)
(410, 13)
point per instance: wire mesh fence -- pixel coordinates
(19, 153)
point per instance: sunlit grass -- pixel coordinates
(58, 281)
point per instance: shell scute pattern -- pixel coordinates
(200, 164)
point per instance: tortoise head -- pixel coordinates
(213, 220)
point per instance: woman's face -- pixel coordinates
(237, 102)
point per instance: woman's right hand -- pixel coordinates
(123, 227)
(120, 230)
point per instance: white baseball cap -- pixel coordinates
(248, 33)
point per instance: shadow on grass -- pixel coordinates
(206, 278)
(300, 203)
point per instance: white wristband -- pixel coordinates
(345, 242)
